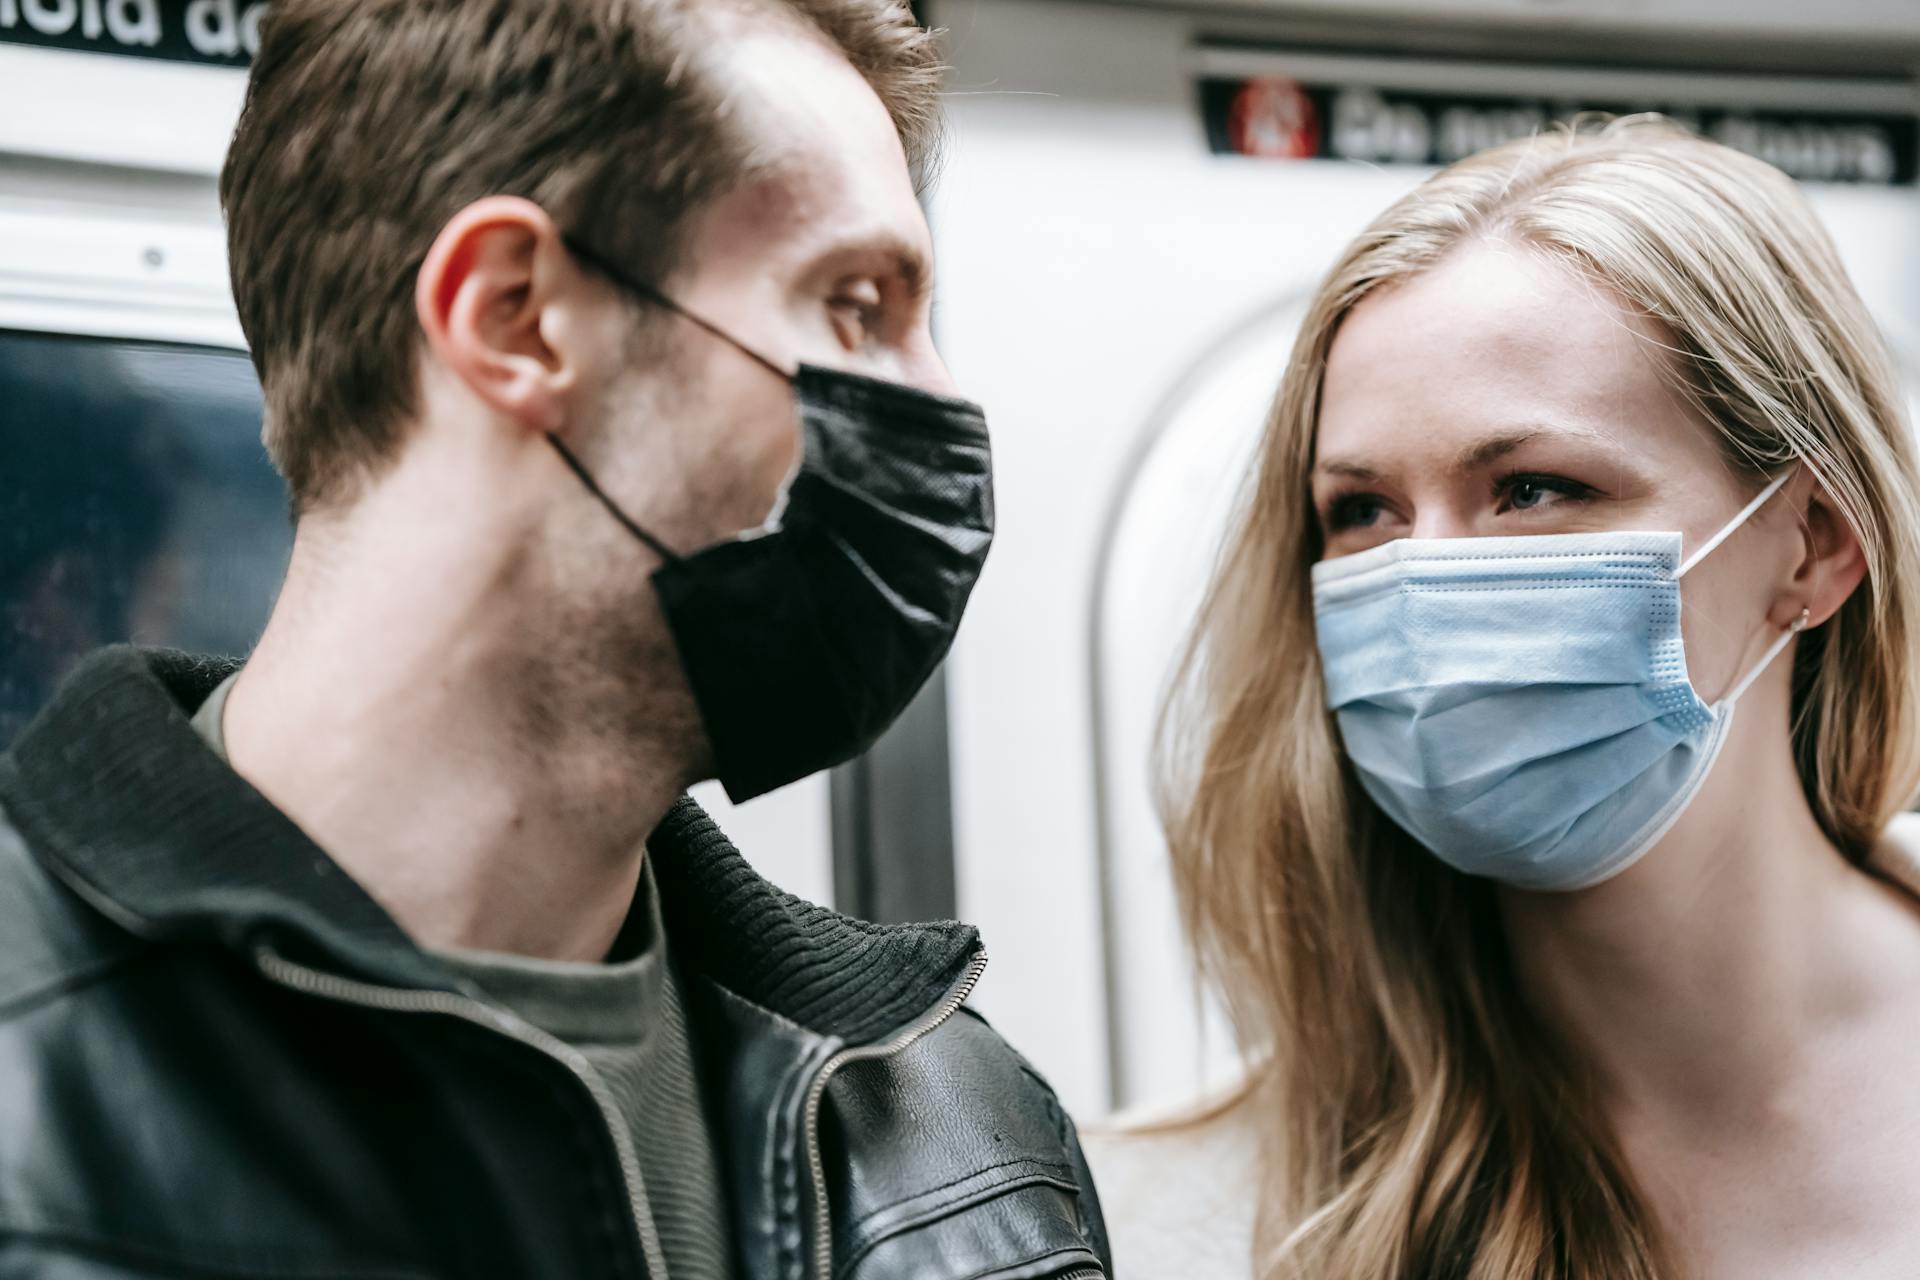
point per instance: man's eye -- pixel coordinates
(854, 307)
(852, 322)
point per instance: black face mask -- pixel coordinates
(804, 641)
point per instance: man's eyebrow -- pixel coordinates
(915, 271)
(906, 259)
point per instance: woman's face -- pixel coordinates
(1501, 394)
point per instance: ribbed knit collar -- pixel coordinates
(115, 791)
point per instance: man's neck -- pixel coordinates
(408, 752)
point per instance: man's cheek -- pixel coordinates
(779, 455)
(745, 472)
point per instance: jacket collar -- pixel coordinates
(116, 792)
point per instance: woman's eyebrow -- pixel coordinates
(1481, 452)
(1492, 449)
(1341, 467)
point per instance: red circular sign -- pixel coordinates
(1273, 116)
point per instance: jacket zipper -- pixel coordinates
(817, 1092)
(326, 986)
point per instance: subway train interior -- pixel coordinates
(1132, 201)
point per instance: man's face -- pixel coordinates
(821, 258)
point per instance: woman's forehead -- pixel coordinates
(1498, 343)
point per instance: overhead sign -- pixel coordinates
(1280, 118)
(223, 33)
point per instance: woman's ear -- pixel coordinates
(1832, 562)
(480, 298)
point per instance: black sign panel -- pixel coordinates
(222, 33)
(1280, 118)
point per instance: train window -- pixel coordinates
(136, 503)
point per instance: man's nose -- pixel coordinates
(930, 373)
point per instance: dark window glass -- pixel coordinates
(136, 503)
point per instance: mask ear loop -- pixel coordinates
(1728, 529)
(1785, 638)
(574, 465)
(640, 288)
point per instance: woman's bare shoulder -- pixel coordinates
(1178, 1185)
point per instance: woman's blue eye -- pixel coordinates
(1354, 511)
(1533, 492)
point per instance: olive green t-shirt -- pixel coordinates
(628, 1018)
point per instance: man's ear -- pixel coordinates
(480, 298)
(1832, 562)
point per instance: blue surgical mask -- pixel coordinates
(1521, 706)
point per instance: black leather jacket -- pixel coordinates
(219, 1058)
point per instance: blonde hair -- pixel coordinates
(1420, 1124)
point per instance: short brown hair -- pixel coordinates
(369, 123)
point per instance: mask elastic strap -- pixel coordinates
(1785, 638)
(1727, 530)
(626, 522)
(593, 258)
